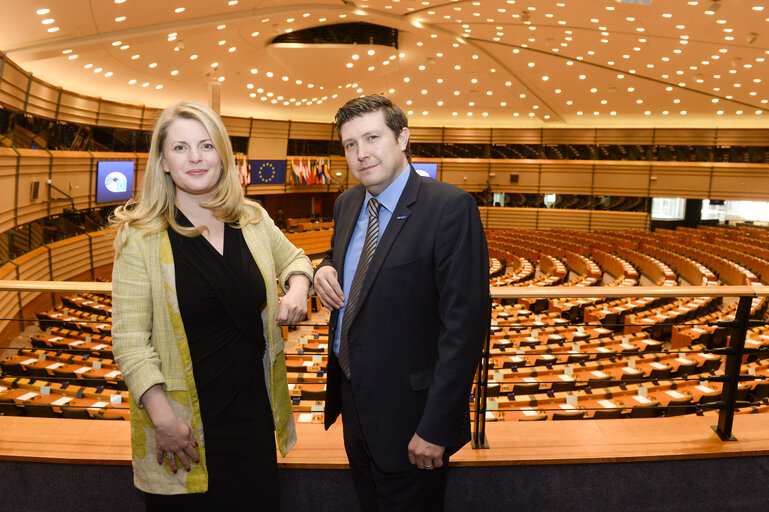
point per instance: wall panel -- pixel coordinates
(621, 179)
(311, 131)
(526, 172)
(544, 218)
(739, 137)
(568, 136)
(470, 175)
(566, 177)
(78, 109)
(425, 134)
(677, 179)
(43, 99)
(641, 136)
(13, 85)
(685, 136)
(34, 167)
(466, 135)
(739, 181)
(516, 136)
(121, 115)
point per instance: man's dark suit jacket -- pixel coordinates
(416, 339)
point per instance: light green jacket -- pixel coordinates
(150, 344)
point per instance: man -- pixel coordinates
(407, 282)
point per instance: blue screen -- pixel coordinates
(114, 181)
(428, 169)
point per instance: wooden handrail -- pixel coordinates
(619, 292)
(497, 292)
(55, 286)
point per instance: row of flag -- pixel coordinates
(309, 171)
(296, 171)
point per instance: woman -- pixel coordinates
(195, 323)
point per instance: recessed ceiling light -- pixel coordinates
(42, 12)
(174, 72)
(65, 52)
(47, 21)
(72, 57)
(108, 74)
(120, 18)
(53, 29)
(179, 9)
(132, 81)
(221, 27)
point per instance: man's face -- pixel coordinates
(374, 155)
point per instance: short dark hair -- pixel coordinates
(395, 119)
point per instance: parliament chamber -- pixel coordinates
(565, 122)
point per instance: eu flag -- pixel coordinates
(268, 172)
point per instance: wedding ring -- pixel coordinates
(170, 457)
(429, 467)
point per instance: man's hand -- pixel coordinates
(425, 455)
(327, 288)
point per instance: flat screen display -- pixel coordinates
(114, 181)
(426, 169)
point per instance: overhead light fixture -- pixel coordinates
(637, 2)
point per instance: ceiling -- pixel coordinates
(500, 63)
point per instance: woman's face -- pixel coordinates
(191, 160)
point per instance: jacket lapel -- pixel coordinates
(344, 228)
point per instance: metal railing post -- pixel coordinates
(482, 383)
(732, 369)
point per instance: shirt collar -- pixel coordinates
(390, 196)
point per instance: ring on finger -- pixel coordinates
(170, 457)
(429, 466)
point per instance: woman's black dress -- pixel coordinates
(220, 300)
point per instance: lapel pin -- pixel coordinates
(401, 217)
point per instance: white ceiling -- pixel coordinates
(522, 63)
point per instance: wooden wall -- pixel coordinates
(545, 218)
(74, 172)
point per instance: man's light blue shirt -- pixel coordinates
(388, 200)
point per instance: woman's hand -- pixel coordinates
(293, 305)
(174, 438)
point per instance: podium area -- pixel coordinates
(654, 464)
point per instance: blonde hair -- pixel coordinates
(153, 209)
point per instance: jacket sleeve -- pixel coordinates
(288, 258)
(328, 257)
(132, 318)
(462, 276)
